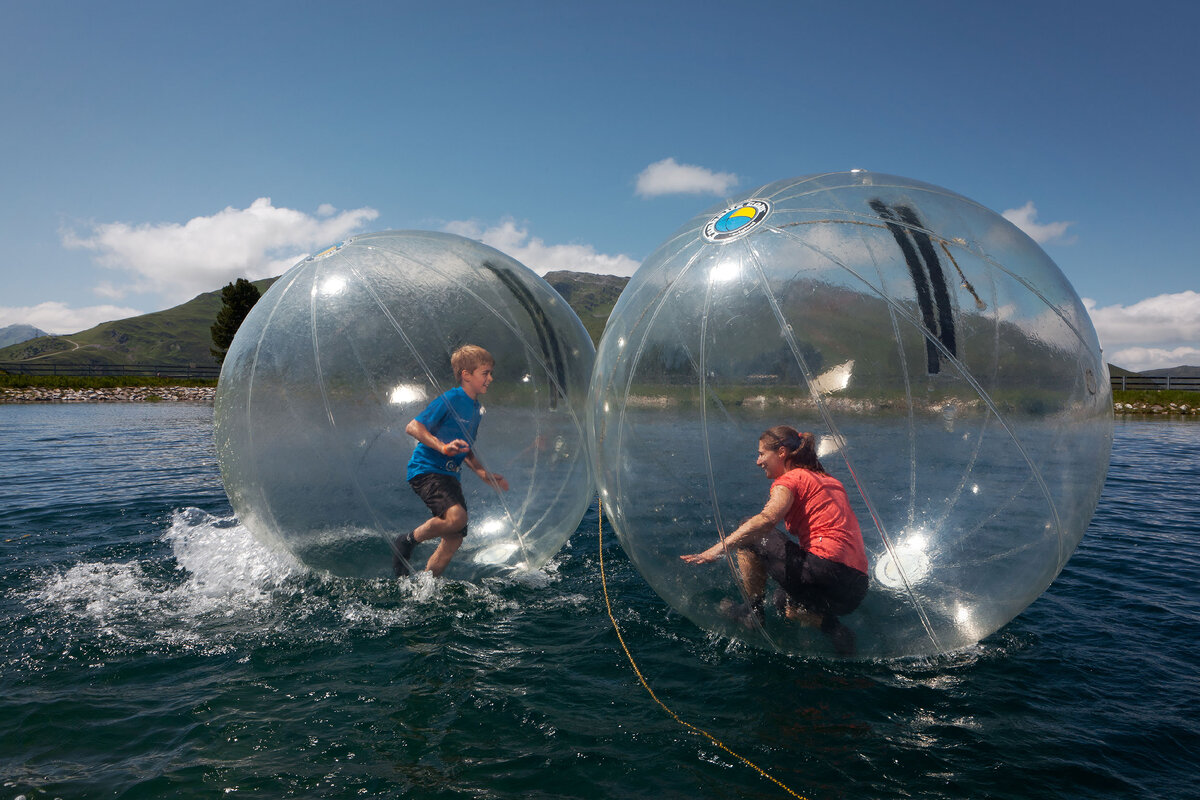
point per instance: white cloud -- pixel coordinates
(669, 177)
(1161, 331)
(106, 289)
(1139, 359)
(1025, 218)
(56, 317)
(540, 257)
(179, 261)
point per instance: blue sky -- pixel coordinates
(153, 151)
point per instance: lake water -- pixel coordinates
(151, 648)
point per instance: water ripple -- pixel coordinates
(150, 646)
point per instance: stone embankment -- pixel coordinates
(118, 394)
(1155, 408)
(204, 394)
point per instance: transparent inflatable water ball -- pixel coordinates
(948, 369)
(350, 345)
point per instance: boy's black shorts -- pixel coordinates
(440, 493)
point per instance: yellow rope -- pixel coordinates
(646, 686)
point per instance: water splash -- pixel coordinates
(221, 589)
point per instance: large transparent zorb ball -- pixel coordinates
(948, 369)
(349, 346)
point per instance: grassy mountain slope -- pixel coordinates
(178, 336)
(591, 296)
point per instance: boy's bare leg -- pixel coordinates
(446, 528)
(453, 521)
(445, 551)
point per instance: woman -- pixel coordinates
(824, 575)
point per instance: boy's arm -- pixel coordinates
(419, 432)
(494, 478)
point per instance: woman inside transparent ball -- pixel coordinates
(822, 574)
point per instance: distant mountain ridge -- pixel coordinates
(181, 336)
(15, 334)
(1165, 372)
(1172, 372)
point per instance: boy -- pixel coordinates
(445, 431)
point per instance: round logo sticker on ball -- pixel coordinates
(737, 220)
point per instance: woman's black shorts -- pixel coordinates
(818, 584)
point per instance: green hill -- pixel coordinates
(178, 336)
(591, 296)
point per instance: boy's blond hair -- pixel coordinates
(470, 357)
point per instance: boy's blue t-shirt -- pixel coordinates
(453, 415)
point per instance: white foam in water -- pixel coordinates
(99, 592)
(227, 588)
(225, 560)
(225, 571)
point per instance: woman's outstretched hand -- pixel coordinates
(707, 557)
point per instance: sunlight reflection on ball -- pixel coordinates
(950, 371)
(350, 345)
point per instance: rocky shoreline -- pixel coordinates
(1156, 409)
(117, 394)
(204, 394)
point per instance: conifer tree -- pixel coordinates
(237, 299)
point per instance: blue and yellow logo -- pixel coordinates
(327, 251)
(737, 221)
